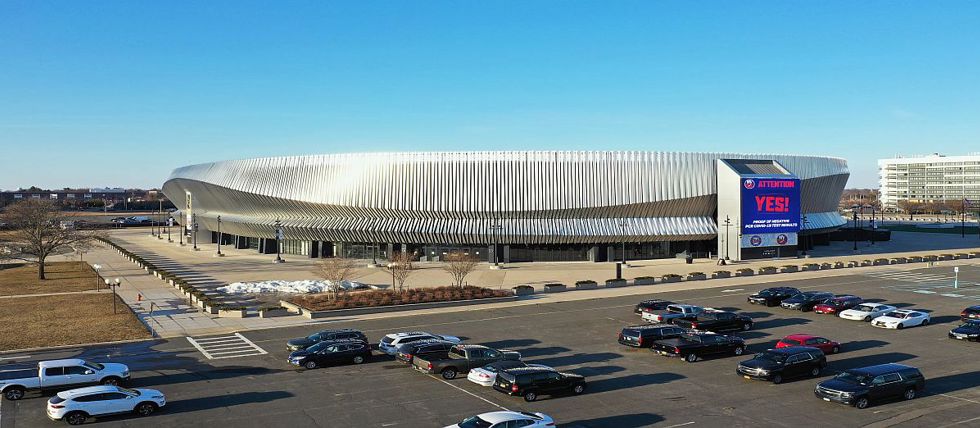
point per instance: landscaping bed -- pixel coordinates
(45, 321)
(371, 299)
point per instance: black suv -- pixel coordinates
(651, 305)
(969, 330)
(772, 296)
(330, 353)
(643, 336)
(530, 382)
(860, 387)
(783, 363)
(323, 336)
(805, 301)
(427, 349)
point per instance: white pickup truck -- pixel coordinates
(60, 374)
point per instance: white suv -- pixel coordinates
(77, 405)
(389, 343)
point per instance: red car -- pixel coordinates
(826, 345)
(837, 304)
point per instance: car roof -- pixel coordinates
(905, 311)
(685, 306)
(974, 307)
(648, 326)
(874, 305)
(530, 369)
(802, 336)
(504, 416)
(881, 369)
(60, 363)
(71, 393)
(792, 350)
(405, 334)
(338, 330)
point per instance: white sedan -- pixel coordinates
(506, 420)
(75, 406)
(867, 311)
(486, 375)
(901, 318)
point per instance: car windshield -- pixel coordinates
(474, 422)
(855, 378)
(675, 309)
(771, 356)
(971, 326)
(864, 308)
(318, 347)
(92, 365)
(130, 391)
(897, 315)
(768, 292)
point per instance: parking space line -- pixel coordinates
(680, 425)
(471, 394)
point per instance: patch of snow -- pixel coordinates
(297, 287)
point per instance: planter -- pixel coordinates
(744, 272)
(586, 285)
(523, 290)
(898, 260)
(644, 280)
(867, 263)
(880, 262)
(398, 308)
(697, 277)
(554, 288)
(671, 278)
(930, 258)
(811, 267)
(915, 259)
(945, 257)
(767, 270)
(825, 266)
(213, 310)
(962, 256)
(852, 264)
(291, 307)
(613, 283)
(789, 269)
(231, 313)
(721, 274)
(272, 312)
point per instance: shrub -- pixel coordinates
(585, 282)
(744, 270)
(373, 298)
(696, 273)
(644, 278)
(671, 275)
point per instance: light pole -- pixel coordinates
(98, 279)
(113, 284)
(170, 223)
(728, 224)
(159, 222)
(493, 240)
(194, 230)
(963, 219)
(183, 230)
(391, 268)
(219, 237)
(873, 224)
(278, 237)
(622, 236)
(804, 221)
(854, 229)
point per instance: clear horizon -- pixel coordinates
(121, 94)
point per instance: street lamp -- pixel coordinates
(278, 237)
(805, 221)
(622, 235)
(728, 224)
(854, 229)
(159, 219)
(391, 267)
(170, 223)
(113, 284)
(98, 279)
(219, 238)
(183, 230)
(194, 230)
(493, 240)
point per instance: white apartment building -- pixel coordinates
(929, 178)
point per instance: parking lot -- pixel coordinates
(627, 387)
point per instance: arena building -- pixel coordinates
(514, 206)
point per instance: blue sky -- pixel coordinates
(101, 93)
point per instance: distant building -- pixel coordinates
(74, 197)
(927, 179)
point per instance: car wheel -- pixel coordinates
(13, 394)
(861, 403)
(75, 418)
(835, 350)
(310, 365)
(814, 372)
(899, 326)
(690, 358)
(449, 373)
(746, 326)
(145, 409)
(578, 389)
(739, 350)
(358, 359)
(909, 394)
(530, 396)
(111, 380)
(867, 319)
(777, 379)
(925, 322)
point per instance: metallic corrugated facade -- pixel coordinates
(535, 197)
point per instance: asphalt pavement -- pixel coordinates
(243, 387)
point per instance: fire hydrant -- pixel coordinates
(139, 297)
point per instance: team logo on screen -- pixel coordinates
(782, 239)
(749, 184)
(755, 241)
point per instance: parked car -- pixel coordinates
(324, 336)
(487, 374)
(772, 296)
(775, 365)
(332, 353)
(826, 345)
(389, 343)
(530, 382)
(428, 349)
(651, 305)
(462, 359)
(867, 311)
(862, 386)
(901, 318)
(806, 300)
(506, 419)
(60, 374)
(970, 313)
(716, 321)
(643, 336)
(75, 406)
(967, 331)
(693, 346)
(672, 313)
(837, 304)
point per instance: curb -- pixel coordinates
(55, 348)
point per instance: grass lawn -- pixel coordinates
(970, 230)
(43, 321)
(62, 277)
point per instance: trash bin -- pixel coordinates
(689, 259)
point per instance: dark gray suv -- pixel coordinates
(863, 386)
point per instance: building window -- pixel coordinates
(36, 196)
(53, 196)
(88, 196)
(18, 196)
(70, 196)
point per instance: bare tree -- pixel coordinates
(38, 230)
(400, 265)
(458, 265)
(336, 270)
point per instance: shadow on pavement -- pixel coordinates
(779, 322)
(575, 359)
(945, 319)
(870, 360)
(225, 400)
(619, 421)
(631, 381)
(952, 383)
(540, 352)
(757, 315)
(858, 345)
(511, 343)
(596, 371)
